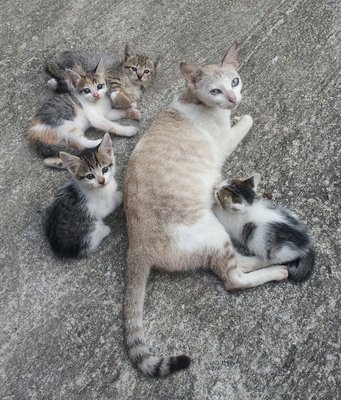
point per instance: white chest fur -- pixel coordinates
(101, 201)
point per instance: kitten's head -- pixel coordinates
(237, 195)
(140, 69)
(217, 85)
(89, 85)
(93, 168)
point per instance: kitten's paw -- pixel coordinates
(113, 96)
(118, 199)
(52, 84)
(105, 231)
(235, 120)
(133, 113)
(282, 272)
(126, 131)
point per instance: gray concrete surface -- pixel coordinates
(61, 331)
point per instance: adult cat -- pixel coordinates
(168, 199)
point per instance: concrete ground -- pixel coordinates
(61, 333)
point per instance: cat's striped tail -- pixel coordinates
(137, 274)
(300, 269)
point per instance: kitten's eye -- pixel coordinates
(146, 71)
(235, 82)
(215, 92)
(90, 176)
(105, 170)
(86, 91)
(134, 69)
(100, 86)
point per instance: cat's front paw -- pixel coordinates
(282, 272)
(247, 121)
(105, 231)
(118, 199)
(134, 114)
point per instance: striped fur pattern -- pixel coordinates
(168, 199)
(60, 123)
(73, 222)
(126, 79)
(270, 232)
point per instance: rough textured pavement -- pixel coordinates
(61, 331)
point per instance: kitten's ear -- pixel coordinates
(191, 73)
(128, 52)
(230, 57)
(73, 77)
(252, 181)
(70, 162)
(106, 146)
(156, 62)
(99, 67)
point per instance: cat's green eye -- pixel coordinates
(146, 71)
(90, 176)
(134, 69)
(215, 92)
(105, 170)
(235, 82)
(100, 86)
(86, 91)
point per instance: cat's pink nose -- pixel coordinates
(96, 95)
(232, 98)
(140, 76)
(101, 180)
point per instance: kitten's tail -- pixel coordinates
(299, 270)
(137, 274)
(58, 82)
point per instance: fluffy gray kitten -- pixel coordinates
(270, 232)
(73, 223)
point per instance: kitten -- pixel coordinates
(59, 125)
(126, 80)
(168, 199)
(272, 233)
(73, 224)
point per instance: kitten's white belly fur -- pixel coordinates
(101, 202)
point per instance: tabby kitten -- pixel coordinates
(59, 124)
(73, 223)
(270, 232)
(168, 199)
(126, 80)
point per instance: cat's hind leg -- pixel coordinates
(112, 127)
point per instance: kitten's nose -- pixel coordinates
(232, 98)
(140, 76)
(96, 95)
(101, 180)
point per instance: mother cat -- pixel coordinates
(169, 194)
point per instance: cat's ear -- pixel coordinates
(128, 52)
(73, 77)
(99, 67)
(252, 181)
(70, 162)
(230, 57)
(191, 73)
(106, 146)
(156, 62)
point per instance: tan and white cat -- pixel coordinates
(168, 199)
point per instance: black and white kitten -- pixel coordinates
(73, 223)
(270, 232)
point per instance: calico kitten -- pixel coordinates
(126, 80)
(73, 224)
(270, 232)
(168, 199)
(59, 124)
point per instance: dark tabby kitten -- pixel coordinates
(270, 232)
(126, 79)
(73, 223)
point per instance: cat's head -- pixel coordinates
(140, 69)
(89, 85)
(216, 85)
(93, 168)
(237, 195)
